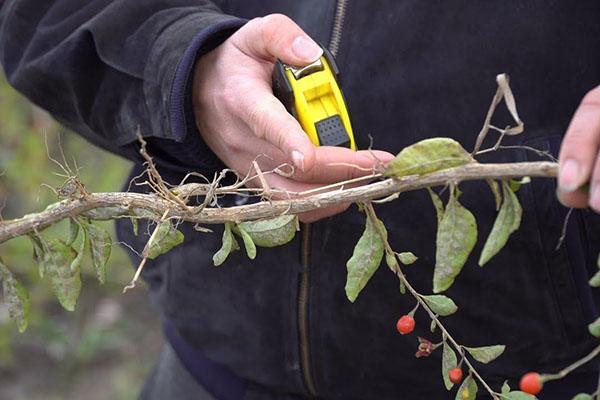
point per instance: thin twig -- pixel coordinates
(419, 297)
(140, 267)
(566, 371)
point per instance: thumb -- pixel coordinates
(277, 36)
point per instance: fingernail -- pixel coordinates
(306, 49)
(568, 178)
(559, 196)
(595, 199)
(298, 159)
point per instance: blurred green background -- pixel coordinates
(107, 346)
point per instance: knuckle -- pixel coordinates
(271, 27)
(592, 99)
(258, 118)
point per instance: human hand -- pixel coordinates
(579, 161)
(240, 119)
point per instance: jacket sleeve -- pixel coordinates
(109, 68)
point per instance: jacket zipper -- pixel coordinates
(305, 245)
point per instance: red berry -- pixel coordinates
(531, 383)
(455, 375)
(406, 324)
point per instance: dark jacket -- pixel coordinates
(410, 70)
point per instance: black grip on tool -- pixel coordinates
(331, 132)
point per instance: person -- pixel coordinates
(194, 77)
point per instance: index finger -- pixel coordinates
(337, 164)
(579, 150)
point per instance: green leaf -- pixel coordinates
(437, 203)
(65, 282)
(449, 361)
(402, 288)
(427, 156)
(73, 231)
(166, 238)
(440, 304)
(583, 396)
(16, 298)
(518, 395)
(456, 237)
(229, 245)
(365, 260)
(76, 263)
(100, 246)
(390, 260)
(495, 188)
(468, 389)
(507, 221)
(39, 249)
(248, 242)
(272, 232)
(407, 258)
(486, 354)
(432, 326)
(505, 387)
(595, 281)
(515, 184)
(594, 328)
(135, 224)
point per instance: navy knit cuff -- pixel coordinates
(183, 127)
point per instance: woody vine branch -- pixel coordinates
(105, 206)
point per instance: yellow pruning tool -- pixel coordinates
(313, 96)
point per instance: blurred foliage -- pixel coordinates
(102, 350)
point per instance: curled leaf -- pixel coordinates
(100, 246)
(437, 203)
(594, 328)
(229, 245)
(166, 238)
(402, 288)
(495, 188)
(507, 221)
(427, 156)
(515, 184)
(449, 361)
(16, 298)
(595, 281)
(248, 242)
(486, 354)
(134, 224)
(440, 304)
(456, 237)
(271, 232)
(390, 260)
(76, 263)
(73, 231)
(39, 249)
(65, 281)
(365, 260)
